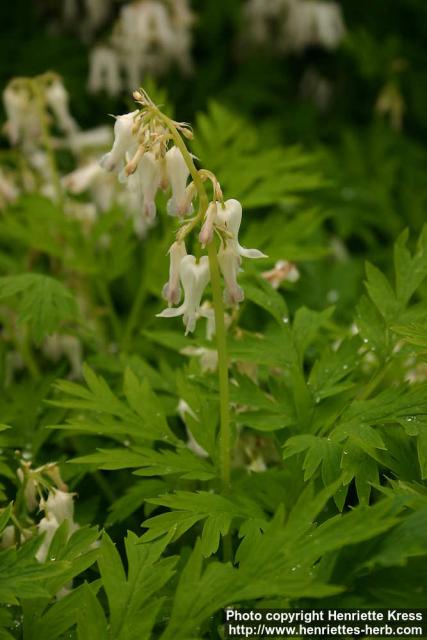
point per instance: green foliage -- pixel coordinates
(328, 374)
(42, 302)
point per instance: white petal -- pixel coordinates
(251, 253)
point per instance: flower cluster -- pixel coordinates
(81, 17)
(43, 490)
(22, 99)
(149, 37)
(149, 153)
(40, 123)
(294, 25)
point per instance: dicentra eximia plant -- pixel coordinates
(150, 152)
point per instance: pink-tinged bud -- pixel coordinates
(194, 278)
(172, 289)
(283, 270)
(207, 230)
(125, 141)
(177, 173)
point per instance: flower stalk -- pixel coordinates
(150, 152)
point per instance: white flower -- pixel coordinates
(23, 121)
(229, 264)
(172, 289)
(56, 346)
(125, 141)
(313, 22)
(283, 270)
(145, 182)
(96, 138)
(184, 409)
(177, 173)
(104, 71)
(229, 217)
(82, 178)
(329, 24)
(57, 99)
(194, 278)
(47, 526)
(59, 505)
(208, 358)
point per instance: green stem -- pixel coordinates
(221, 342)
(220, 330)
(375, 381)
(105, 295)
(134, 314)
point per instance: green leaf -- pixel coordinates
(91, 618)
(43, 302)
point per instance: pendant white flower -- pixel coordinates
(125, 141)
(57, 99)
(145, 182)
(177, 173)
(229, 264)
(104, 71)
(172, 289)
(194, 278)
(229, 218)
(47, 525)
(60, 505)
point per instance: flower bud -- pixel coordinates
(206, 232)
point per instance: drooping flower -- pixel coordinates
(283, 270)
(60, 505)
(229, 264)
(47, 526)
(177, 173)
(57, 99)
(172, 289)
(104, 71)
(56, 346)
(194, 277)
(23, 122)
(145, 182)
(228, 218)
(125, 142)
